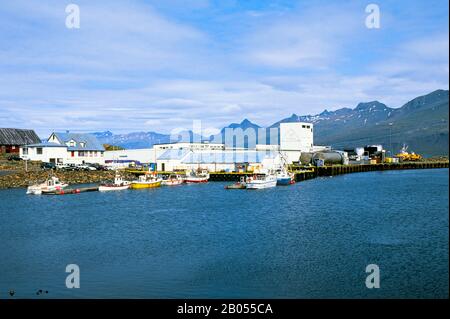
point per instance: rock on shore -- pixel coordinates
(24, 179)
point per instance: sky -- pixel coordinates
(160, 65)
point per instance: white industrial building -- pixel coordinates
(151, 155)
(295, 138)
(217, 160)
(123, 158)
(65, 148)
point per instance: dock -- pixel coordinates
(306, 173)
(69, 191)
(348, 169)
(303, 173)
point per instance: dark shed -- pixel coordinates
(12, 138)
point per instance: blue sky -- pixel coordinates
(159, 65)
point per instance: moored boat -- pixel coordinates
(196, 177)
(242, 184)
(285, 178)
(146, 181)
(172, 180)
(50, 185)
(262, 181)
(117, 185)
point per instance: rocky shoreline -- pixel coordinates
(17, 179)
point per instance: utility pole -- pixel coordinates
(390, 138)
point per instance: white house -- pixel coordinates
(66, 148)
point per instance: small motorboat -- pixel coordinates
(50, 185)
(262, 181)
(172, 180)
(118, 185)
(196, 177)
(146, 181)
(242, 184)
(285, 178)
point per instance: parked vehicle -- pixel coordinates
(85, 167)
(62, 166)
(47, 165)
(98, 167)
(14, 158)
(72, 167)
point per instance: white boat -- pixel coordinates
(285, 178)
(118, 185)
(262, 181)
(194, 177)
(172, 180)
(50, 185)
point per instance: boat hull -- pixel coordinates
(195, 180)
(236, 186)
(261, 184)
(172, 183)
(112, 188)
(38, 190)
(142, 185)
(284, 181)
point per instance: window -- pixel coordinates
(81, 153)
(303, 126)
(82, 144)
(39, 151)
(72, 143)
(25, 151)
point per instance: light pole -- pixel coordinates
(390, 139)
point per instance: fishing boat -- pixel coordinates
(196, 177)
(172, 180)
(117, 185)
(262, 181)
(242, 184)
(50, 185)
(285, 178)
(146, 181)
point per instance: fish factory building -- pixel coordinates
(217, 160)
(11, 139)
(295, 138)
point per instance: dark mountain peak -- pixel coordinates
(343, 111)
(367, 106)
(325, 113)
(428, 100)
(243, 125)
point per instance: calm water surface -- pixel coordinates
(313, 239)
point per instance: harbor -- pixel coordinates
(203, 241)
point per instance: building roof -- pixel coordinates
(46, 144)
(14, 136)
(92, 143)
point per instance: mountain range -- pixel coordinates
(421, 123)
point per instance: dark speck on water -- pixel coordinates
(313, 239)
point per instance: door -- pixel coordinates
(163, 167)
